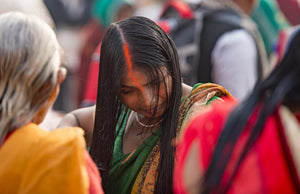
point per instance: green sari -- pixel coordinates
(136, 172)
(125, 167)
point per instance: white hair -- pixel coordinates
(29, 62)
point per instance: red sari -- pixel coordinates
(264, 169)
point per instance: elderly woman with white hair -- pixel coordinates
(32, 159)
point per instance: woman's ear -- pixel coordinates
(61, 75)
(39, 117)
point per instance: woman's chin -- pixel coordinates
(149, 116)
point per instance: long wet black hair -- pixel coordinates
(282, 86)
(150, 49)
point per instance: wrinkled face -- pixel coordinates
(138, 93)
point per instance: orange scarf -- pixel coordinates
(37, 161)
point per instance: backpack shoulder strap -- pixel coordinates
(215, 23)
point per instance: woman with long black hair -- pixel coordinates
(142, 105)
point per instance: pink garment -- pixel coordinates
(91, 87)
(264, 169)
(94, 177)
(291, 10)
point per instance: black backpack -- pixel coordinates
(188, 33)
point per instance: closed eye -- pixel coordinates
(128, 90)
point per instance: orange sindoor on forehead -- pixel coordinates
(129, 68)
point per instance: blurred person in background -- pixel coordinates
(149, 8)
(35, 7)
(251, 147)
(221, 44)
(270, 21)
(69, 18)
(103, 13)
(291, 11)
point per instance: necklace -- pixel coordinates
(145, 125)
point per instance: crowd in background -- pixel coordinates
(211, 83)
(80, 26)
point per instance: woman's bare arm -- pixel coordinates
(84, 118)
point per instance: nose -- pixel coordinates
(147, 97)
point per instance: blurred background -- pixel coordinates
(81, 24)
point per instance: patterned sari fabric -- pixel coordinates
(136, 172)
(267, 168)
(37, 161)
(201, 95)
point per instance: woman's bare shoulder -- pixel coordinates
(83, 117)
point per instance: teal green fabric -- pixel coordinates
(105, 10)
(269, 20)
